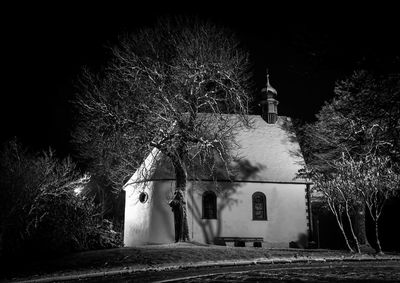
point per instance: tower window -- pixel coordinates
(209, 205)
(259, 206)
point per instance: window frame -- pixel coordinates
(264, 204)
(205, 195)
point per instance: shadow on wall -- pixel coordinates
(226, 192)
(162, 214)
(287, 126)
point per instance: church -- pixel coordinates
(264, 203)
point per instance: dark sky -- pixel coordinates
(305, 48)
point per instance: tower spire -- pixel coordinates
(268, 102)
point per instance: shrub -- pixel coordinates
(42, 211)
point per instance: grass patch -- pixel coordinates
(152, 255)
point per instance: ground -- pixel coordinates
(315, 272)
(168, 257)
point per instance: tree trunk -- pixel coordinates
(360, 226)
(351, 229)
(344, 235)
(339, 222)
(178, 204)
(378, 243)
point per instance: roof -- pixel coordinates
(268, 153)
(271, 148)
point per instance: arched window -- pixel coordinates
(259, 206)
(209, 205)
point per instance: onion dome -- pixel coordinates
(269, 88)
(268, 103)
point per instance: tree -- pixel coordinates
(370, 180)
(376, 181)
(166, 87)
(41, 210)
(362, 119)
(338, 191)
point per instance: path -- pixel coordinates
(387, 271)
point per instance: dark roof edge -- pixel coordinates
(228, 181)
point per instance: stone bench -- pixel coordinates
(239, 241)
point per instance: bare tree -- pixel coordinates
(377, 181)
(41, 209)
(371, 180)
(338, 191)
(167, 87)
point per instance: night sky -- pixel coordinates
(306, 49)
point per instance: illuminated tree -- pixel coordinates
(362, 120)
(166, 87)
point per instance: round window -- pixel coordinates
(143, 197)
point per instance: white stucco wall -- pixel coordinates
(152, 222)
(286, 215)
(137, 214)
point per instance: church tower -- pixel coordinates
(268, 103)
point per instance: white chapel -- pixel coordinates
(265, 201)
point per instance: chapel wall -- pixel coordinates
(286, 215)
